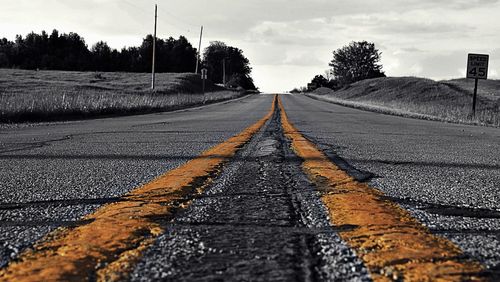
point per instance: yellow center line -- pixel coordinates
(393, 244)
(107, 248)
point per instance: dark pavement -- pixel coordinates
(261, 219)
(447, 175)
(53, 174)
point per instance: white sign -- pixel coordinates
(204, 74)
(477, 66)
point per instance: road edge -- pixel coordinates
(392, 243)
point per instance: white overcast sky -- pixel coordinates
(286, 41)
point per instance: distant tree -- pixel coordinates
(355, 62)
(239, 80)
(333, 84)
(214, 55)
(101, 56)
(5, 52)
(319, 81)
(69, 52)
(172, 55)
(182, 56)
(238, 68)
(322, 81)
(329, 75)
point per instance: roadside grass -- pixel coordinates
(58, 95)
(420, 98)
(487, 88)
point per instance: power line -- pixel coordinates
(141, 9)
(189, 24)
(180, 25)
(186, 28)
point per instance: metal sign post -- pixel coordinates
(203, 78)
(477, 68)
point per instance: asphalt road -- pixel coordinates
(447, 175)
(53, 174)
(261, 219)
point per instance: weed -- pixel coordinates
(47, 95)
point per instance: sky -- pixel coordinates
(288, 42)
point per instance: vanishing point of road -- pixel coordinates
(262, 188)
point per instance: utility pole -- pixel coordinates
(224, 71)
(154, 51)
(199, 51)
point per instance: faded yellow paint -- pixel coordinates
(392, 244)
(111, 243)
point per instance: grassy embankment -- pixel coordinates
(449, 100)
(58, 95)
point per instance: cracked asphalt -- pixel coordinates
(261, 219)
(52, 174)
(447, 175)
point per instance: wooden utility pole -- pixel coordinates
(154, 51)
(224, 71)
(199, 51)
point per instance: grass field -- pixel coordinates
(486, 88)
(58, 95)
(449, 100)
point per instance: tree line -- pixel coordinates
(354, 62)
(68, 51)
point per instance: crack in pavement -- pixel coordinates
(447, 210)
(29, 146)
(261, 220)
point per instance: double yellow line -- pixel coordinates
(109, 246)
(392, 244)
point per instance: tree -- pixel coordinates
(6, 49)
(319, 81)
(172, 55)
(355, 62)
(183, 56)
(238, 68)
(69, 52)
(328, 75)
(239, 80)
(101, 55)
(322, 81)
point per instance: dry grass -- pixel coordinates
(49, 95)
(420, 98)
(489, 89)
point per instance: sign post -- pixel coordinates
(204, 77)
(477, 68)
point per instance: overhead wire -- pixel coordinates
(180, 25)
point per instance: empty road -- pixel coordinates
(259, 188)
